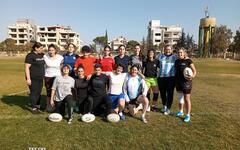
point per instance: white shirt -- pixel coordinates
(116, 83)
(52, 65)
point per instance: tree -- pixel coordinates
(183, 41)
(236, 43)
(131, 44)
(221, 40)
(106, 37)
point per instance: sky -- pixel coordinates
(128, 18)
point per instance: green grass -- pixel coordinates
(215, 122)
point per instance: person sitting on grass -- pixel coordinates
(184, 85)
(116, 79)
(100, 103)
(135, 91)
(81, 91)
(62, 93)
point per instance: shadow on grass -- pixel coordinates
(20, 101)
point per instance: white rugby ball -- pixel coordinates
(113, 117)
(55, 117)
(88, 118)
(187, 72)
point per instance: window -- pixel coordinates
(157, 34)
(42, 40)
(166, 35)
(42, 29)
(166, 41)
(157, 40)
(51, 40)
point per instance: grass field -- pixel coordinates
(215, 122)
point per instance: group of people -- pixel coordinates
(108, 84)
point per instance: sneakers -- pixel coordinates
(179, 114)
(140, 106)
(70, 120)
(187, 118)
(35, 111)
(122, 117)
(149, 108)
(164, 108)
(167, 112)
(144, 119)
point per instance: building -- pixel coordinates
(116, 42)
(25, 31)
(158, 33)
(58, 35)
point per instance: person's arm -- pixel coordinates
(141, 75)
(27, 74)
(125, 90)
(53, 93)
(194, 71)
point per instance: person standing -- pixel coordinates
(62, 93)
(184, 85)
(70, 58)
(122, 58)
(107, 61)
(166, 79)
(137, 58)
(53, 63)
(87, 61)
(34, 73)
(150, 66)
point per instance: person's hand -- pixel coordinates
(29, 82)
(52, 103)
(189, 78)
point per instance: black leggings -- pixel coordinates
(84, 105)
(166, 86)
(60, 106)
(35, 92)
(100, 105)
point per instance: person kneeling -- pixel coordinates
(135, 91)
(98, 98)
(62, 93)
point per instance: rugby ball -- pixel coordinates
(88, 118)
(55, 117)
(113, 118)
(187, 72)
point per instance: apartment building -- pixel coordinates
(158, 33)
(25, 31)
(116, 42)
(58, 35)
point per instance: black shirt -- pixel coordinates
(81, 86)
(98, 85)
(180, 65)
(125, 61)
(150, 68)
(37, 70)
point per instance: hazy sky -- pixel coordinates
(128, 18)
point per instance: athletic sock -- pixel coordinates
(120, 114)
(143, 115)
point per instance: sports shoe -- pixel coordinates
(167, 112)
(187, 118)
(164, 108)
(149, 108)
(179, 114)
(122, 117)
(70, 120)
(140, 106)
(144, 119)
(35, 111)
